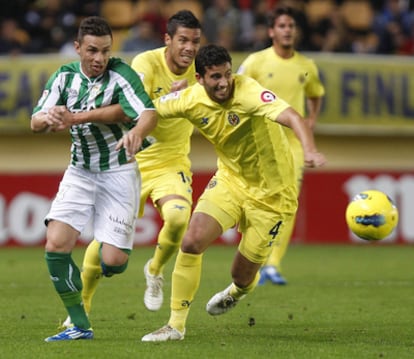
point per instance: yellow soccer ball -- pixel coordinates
(371, 215)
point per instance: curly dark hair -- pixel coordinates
(211, 55)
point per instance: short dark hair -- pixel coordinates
(210, 55)
(95, 26)
(279, 11)
(183, 18)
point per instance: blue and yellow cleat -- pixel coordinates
(270, 273)
(72, 333)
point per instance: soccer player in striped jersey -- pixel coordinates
(102, 181)
(165, 167)
(253, 187)
(295, 78)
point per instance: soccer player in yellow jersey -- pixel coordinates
(253, 186)
(164, 166)
(293, 77)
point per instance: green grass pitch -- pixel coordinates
(354, 301)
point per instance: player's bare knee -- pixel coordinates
(113, 260)
(112, 255)
(57, 245)
(116, 265)
(60, 237)
(194, 245)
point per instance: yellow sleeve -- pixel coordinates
(314, 87)
(260, 101)
(172, 105)
(142, 65)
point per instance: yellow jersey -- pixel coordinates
(172, 137)
(293, 79)
(252, 149)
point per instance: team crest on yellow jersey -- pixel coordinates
(233, 119)
(302, 78)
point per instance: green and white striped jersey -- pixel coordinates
(93, 144)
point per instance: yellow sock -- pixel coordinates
(185, 282)
(175, 214)
(239, 293)
(91, 273)
(280, 248)
(178, 318)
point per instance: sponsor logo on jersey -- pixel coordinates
(267, 96)
(233, 119)
(171, 96)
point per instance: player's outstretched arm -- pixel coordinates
(132, 140)
(292, 119)
(59, 118)
(107, 114)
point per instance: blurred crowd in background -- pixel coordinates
(347, 26)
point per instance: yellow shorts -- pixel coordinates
(158, 183)
(260, 220)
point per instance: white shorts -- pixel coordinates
(110, 198)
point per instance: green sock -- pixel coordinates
(65, 276)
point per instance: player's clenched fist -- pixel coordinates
(314, 159)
